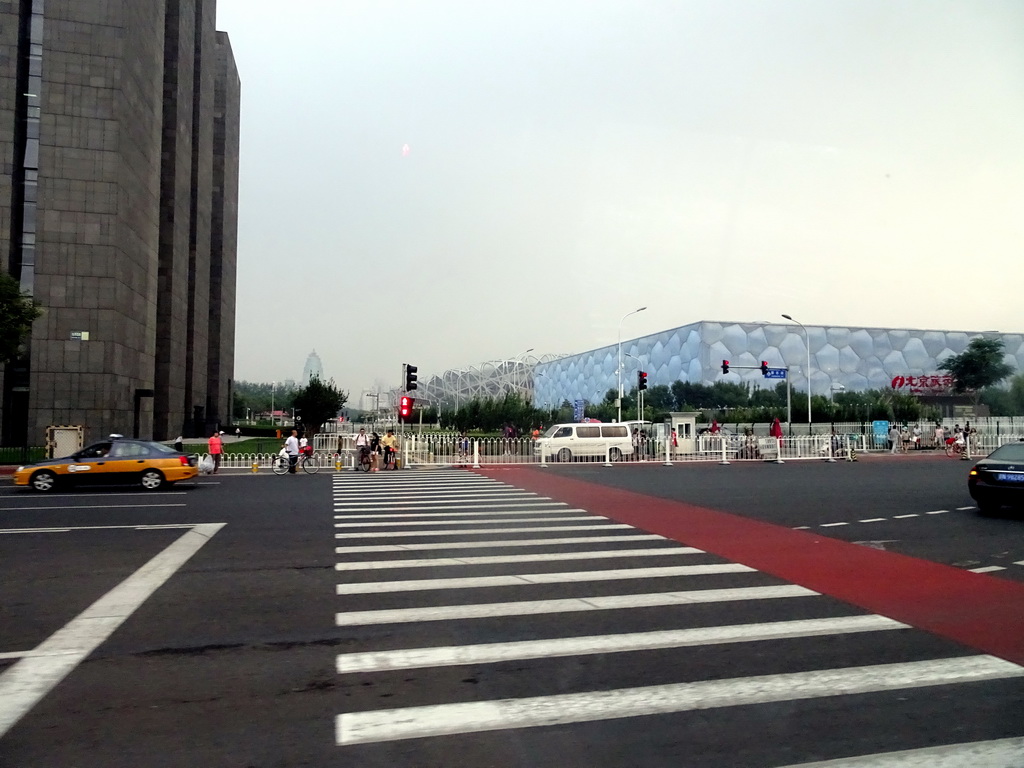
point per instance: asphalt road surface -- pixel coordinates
(573, 616)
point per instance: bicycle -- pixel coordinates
(364, 462)
(954, 448)
(307, 461)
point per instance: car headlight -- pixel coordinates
(20, 469)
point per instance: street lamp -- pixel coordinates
(807, 343)
(520, 360)
(619, 370)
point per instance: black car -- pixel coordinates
(998, 479)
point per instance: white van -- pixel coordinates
(564, 442)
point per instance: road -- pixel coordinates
(443, 618)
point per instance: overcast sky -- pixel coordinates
(444, 183)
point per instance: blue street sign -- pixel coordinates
(577, 410)
(775, 373)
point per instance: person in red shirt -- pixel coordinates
(216, 449)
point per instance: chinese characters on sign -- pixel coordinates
(930, 384)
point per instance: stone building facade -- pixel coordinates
(118, 212)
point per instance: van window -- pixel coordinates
(617, 431)
(563, 432)
(588, 431)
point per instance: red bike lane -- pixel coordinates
(980, 611)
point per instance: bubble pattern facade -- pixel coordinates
(855, 358)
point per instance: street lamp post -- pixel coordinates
(807, 343)
(619, 370)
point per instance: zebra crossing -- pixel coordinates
(570, 625)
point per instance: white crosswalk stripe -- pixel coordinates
(443, 507)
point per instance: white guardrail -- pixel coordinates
(445, 450)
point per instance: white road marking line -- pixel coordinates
(523, 579)
(98, 528)
(802, 528)
(495, 559)
(1018, 562)
(94, 506)
(962, 509)
(492, 653)
(832, 525)
(482, 512)
(30, 679)
(987, 569)
(940, 511)
(148, 494)
(872, 520)
(476, 498)
(469, 522)
(497, 543)
(536, 711)
(900, 517)
(597, 525)
(566, 605)
(436, 490)
(998, 753)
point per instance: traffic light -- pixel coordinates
(405, 409)
(410, 377)
(725, 366)
(764, 367)
(641, 380)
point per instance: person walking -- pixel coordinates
(940, 435)
(894, 439)
(216, 448)
(291, 447)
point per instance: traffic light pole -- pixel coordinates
(764, 368)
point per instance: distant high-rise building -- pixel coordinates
(119, 128)
(312, 368)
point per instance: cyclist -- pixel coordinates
(390, 445)
(463, 444)
(291, 447)
(362, 446)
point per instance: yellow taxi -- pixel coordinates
(117, 460)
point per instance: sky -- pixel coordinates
(449, 182)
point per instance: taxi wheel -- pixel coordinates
(43, 481)
(151, 479)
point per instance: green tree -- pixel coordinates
(980, 365)
(317, 402)
(17, 311)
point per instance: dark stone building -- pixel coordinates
(119, 128)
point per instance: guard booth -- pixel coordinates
(685, 425)
(63, 441)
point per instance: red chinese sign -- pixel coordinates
(930, 384)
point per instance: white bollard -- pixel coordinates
(543, 457)
(607, 456)
(831, 459)
(725, 456)
(778, 451)
(668, 453)
(476, 454)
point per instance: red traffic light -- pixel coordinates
(764, 367)
(641, 380)
(405, 408)
(725, 366)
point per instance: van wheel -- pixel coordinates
(565, 455)
(615, 454)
